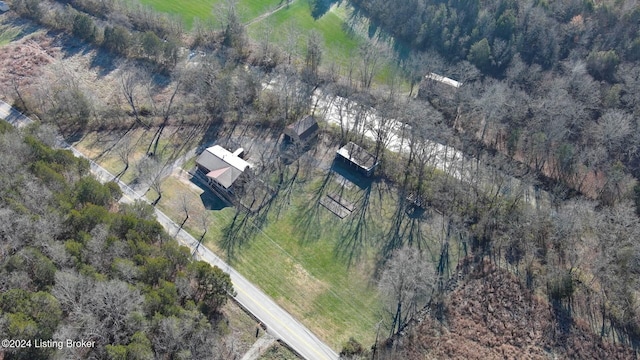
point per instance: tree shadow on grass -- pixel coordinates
(239, 232)
(308, 217)
(104, 61)
(356, 234)
(320, 7)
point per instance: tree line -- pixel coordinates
(78, 265)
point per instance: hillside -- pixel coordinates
(491, 315)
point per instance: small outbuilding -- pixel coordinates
(355, 156)
(222, 168)
(302, 131)
(443, 80)
(3, 7)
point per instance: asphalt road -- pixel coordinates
(278, 322)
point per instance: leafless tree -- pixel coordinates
(167, 110)
(407, 284)
(124, 150)
(205, 222)
(611, 131)
(371, 58)
(151, 171)
(132, 79)
(184, 206)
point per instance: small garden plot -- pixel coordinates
(335, 207)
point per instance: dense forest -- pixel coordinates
(77, 265)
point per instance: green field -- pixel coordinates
(291, 24)
(342, 44)
(294, 263)
(298, 252)
(296, 21)
(206, 10)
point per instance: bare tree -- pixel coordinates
(611, 131)
(370, 65)
(151, 171)
(167, 111)
(184, 206)
(205, 222)
(124, 150)
(314, 55)
(131, 80)
(407, 284)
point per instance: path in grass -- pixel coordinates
(285, 24)
(267, 14)
(210, 11)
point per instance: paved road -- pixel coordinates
(278, 322)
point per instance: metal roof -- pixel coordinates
(444, 80)
(303, 128)
(358, 156)
(222, 165)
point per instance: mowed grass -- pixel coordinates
(207, 10)
(291, 23)
(293, 259)
(341, 44)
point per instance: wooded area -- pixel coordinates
(78, 265)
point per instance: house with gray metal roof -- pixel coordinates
(222, 168)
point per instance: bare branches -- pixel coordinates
(407, 284)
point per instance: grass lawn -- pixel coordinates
(102, 148)
(303, 276)
(299, 255)
(297, 17)
(206, 9)
(341, 44)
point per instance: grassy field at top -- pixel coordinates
(296, 20)
(205, 10)
(291, 23)
(341, 44)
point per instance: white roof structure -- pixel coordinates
(3, 6)
(358, 156)
(444, 80)
(222, 165)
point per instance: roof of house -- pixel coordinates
(222, 165)
(303, 128)
(4, 6)
(444, 80)
(358, 156)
